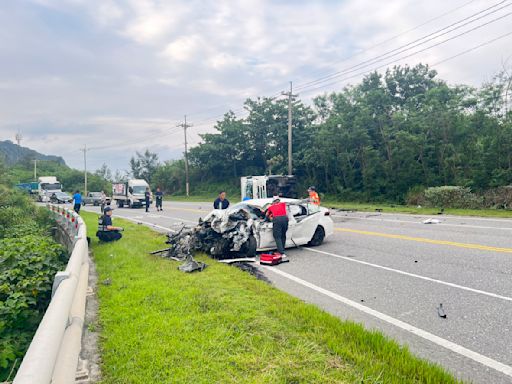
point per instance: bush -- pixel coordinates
(452, 197)
(499, 198)
(29, 259)
(27, 267)
(415, 196)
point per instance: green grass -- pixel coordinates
(390, 208)
(159, 325)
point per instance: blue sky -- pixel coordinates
(119, 75)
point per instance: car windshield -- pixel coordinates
(61, 194)
(95, 194)
(139, 189)
(50, 186)
(255, 212)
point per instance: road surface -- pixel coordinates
(391, 272)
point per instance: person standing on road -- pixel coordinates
(106, 231)
(147, 196)
(77, 201)
(159, 195)
(103, 201)
(313, 196)
(279, 216)
(221, 202)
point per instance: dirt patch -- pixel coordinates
(90, 360)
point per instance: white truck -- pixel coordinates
(262, 187)
(47, 185)
(130, 193)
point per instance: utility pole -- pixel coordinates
(185, 126)
(290, 96)
(84, 150)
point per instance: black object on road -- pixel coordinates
(440, 311)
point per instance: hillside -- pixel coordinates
(12, 153)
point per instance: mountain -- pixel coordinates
(11, 153)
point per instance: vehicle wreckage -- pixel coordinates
(241, 231)
(220, 235)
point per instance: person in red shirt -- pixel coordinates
(277, 213)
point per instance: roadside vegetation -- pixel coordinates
(29, 259)
(222, 325)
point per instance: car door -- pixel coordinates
(306, 223)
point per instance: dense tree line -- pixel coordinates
(391, 134)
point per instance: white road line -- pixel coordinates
(443, 224)
(453, 285)
(146, 223)
(180, 219)
(475, 356)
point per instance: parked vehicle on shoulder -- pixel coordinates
(60, 197)
(94, 198)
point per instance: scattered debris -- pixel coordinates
(219, 235)
(107, 281)
(440, 311)
(378, 209)
(432, 221)
(415, 261)
(362, 300)
(238, 260)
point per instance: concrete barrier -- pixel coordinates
(52, 356)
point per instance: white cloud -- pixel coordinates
(86, 67)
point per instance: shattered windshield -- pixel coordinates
(255, 212)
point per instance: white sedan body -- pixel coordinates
(304, 219)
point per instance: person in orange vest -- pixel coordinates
(313, 196)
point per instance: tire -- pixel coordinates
(318, 237)
(121, 204)
(83, 203)
(249, 248)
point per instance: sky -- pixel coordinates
(119, 76)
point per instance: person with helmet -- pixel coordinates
(106, 231)
(279, 216)
(313, 196)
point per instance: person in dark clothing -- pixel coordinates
(147, 196)
(279, 216)
(77, 201)
(221, 202)
(159, 195)
(106, 231)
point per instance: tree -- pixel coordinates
(104, 172)
(144, 165)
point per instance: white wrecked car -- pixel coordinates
(245, 226)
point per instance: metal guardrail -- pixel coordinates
(52, 356)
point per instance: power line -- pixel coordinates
(381, 66)
(387, 40)
(413, 44)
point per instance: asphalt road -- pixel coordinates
(391, 272)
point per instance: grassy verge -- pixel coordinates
(159, 325)
(390, 208)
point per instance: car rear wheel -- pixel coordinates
(318, 237)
